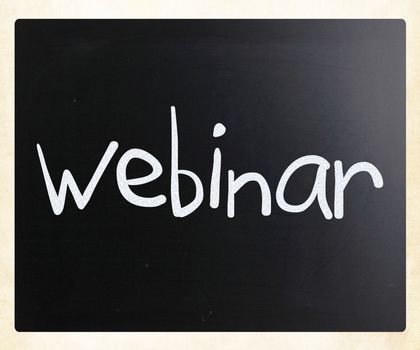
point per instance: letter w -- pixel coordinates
(67, 180)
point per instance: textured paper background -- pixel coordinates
(11, 10)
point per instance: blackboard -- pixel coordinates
(258, 94)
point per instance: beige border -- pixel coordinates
(10, 10)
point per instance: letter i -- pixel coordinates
(219, 130)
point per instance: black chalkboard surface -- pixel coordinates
(222, 175)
